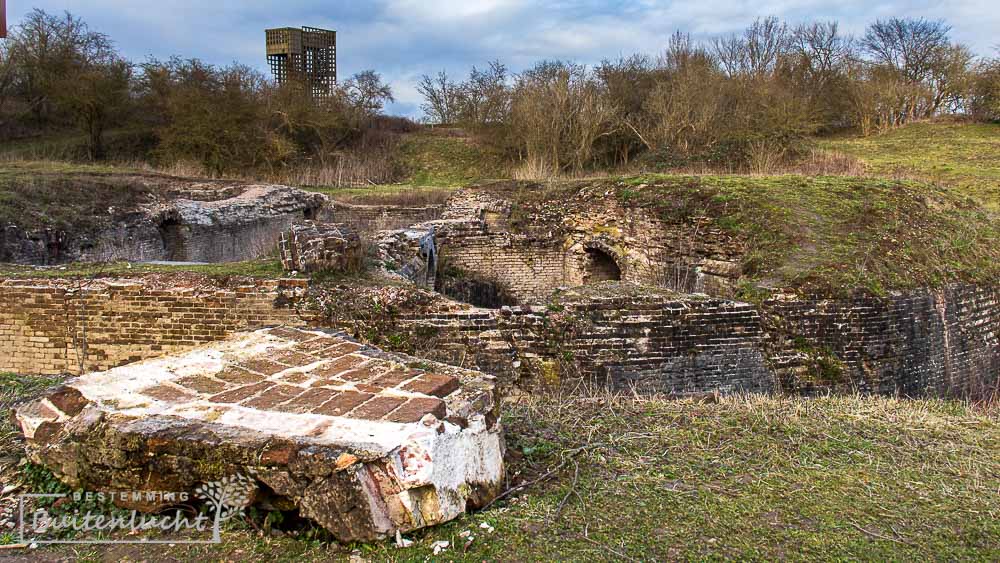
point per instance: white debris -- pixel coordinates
(440, 546)
(486, 526)
(402, 542)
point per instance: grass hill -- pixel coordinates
(963, 156)
(447, 157)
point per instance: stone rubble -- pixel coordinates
(317, 247)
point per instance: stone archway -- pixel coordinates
(600, 266)
(594, 261)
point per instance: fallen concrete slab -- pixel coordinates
(363, 442)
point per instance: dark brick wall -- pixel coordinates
(648, 343)
(937, 342)
(918, 343)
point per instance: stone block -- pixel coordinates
(317, 247)
(363, 464)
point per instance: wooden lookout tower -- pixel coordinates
(307, 56)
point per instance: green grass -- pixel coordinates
(960, 155)
(22, 169)
(748, 478)
(68, 196)
(124, 144)
(832, 235)
(435, 159)
(391, 194)
(269, 268)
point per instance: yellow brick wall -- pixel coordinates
(48, 326)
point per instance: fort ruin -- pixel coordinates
(484, 295)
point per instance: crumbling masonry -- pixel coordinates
(475, 298)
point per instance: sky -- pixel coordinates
(404, 39)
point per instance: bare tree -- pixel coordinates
(558, 112)
(684, 106)
(756, 52)
(818, 68)
(628, 82)
(984, 92)
(48, 48)
(484, 98)
(96, 94)
(920, 52)
(822, 50)
(367, 92)
(6, 74)
(441, 97)
(908, 46)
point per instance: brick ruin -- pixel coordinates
(51, 327)
(673, 326)
(913, 343)
(480, 292)
(582, 242)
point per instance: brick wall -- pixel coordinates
(937, 342)
(914, 343)
(582, 246)
(922, 342)
(44, 324)
(530, 268)
(371, 218)
(651, 343)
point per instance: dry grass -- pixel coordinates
(400, 195)
(597, 475)
(820, 162)
(535, 170)
(962, 156)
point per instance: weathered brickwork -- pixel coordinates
(358, 440)
(372, 218)
(921, 342)
(529, 267)
(917, 343)
(317, 247)
(651, 343)
(583, 241)
(51, 327)
(938, 342)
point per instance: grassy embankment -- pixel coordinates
(830, 235)
(962, 156)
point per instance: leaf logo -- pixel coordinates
(228, 497)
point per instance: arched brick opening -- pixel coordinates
(174, 237)
(600, 266)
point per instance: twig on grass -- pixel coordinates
(880, 536)
(607, 548)
(569, 457)
(571, 491)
